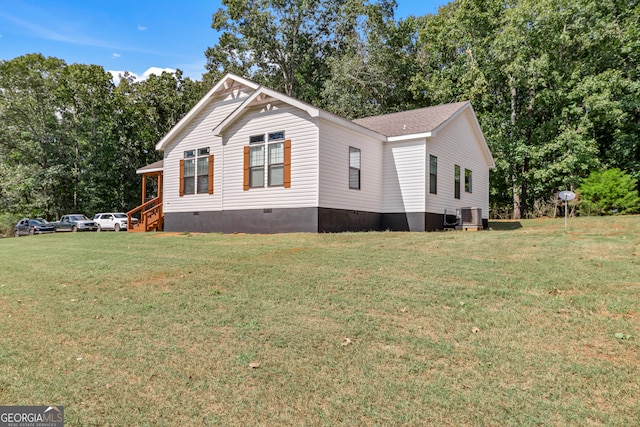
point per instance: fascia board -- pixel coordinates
(350, 125)
(478, 130)
(409, 136)
(220, 129)
(143, 171)
(164, 142)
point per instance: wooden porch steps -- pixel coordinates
(151, 217)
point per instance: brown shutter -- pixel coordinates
(211, 174)
(181, 178)
(246, 168)
(287, 163)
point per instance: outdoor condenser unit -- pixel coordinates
(470, 219)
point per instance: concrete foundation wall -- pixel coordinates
(300, 220)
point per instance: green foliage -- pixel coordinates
(72, 141)
(7, 223)
(609, 192)
(554, 84)
(288, 45)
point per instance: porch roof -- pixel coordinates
(153, 167)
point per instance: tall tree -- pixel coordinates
(284, 44)
(30, 138)
(371, 76)
(546, 80)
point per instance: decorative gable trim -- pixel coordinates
(228, 83)
(263, 96)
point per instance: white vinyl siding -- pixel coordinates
(405, 176)
(457, 144)
(334, 170)
(303, 133)
(197, 134)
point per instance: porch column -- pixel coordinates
(144, 188)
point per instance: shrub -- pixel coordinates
(7, 223)
(609, 192)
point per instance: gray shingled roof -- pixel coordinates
(411, 122)
(152, 167)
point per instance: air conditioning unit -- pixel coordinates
(470, 219)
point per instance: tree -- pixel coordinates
(609, 192)
(285, 44)
(30, 145)
(72, 141)
(554, 84)
(371, 77)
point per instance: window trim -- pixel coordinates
(433, 174)
(256, 167)
(266, 141)
(270, 165)
(188, 190)
(352, 168)
(197, 156)
(456, 181)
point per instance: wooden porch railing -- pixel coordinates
(151, 216)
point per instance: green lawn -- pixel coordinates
(526, 324)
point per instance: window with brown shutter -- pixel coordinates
(246, 169)
(287, 163)
(267, 160)
(211, 174)
(181, 177)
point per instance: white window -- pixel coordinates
(354, 168)
(273, 143)
(256, 166)
(195, 173)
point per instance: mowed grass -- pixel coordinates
(526, 324)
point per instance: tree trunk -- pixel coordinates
(516, 200)
(514, 178)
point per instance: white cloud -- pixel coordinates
(116, 55)
(117, 75)
(141, 28)
(157, 71)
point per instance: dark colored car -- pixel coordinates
(27, 227)
(75, 222)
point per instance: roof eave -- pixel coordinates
(142, 171)
(224, 125)
(350, 125)
(165, 141)
(409, 136)
(485, 146)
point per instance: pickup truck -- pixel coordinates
(74, 222)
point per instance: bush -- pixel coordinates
(609, 192)
(7, 223)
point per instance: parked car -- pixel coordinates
(75, 222)
(112, 221)
(26, 227)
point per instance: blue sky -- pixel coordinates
(136, 36)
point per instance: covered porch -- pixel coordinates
(149, 214)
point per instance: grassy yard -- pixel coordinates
(525, 324)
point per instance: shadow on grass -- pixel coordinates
(504, 225)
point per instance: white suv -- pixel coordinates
(112, 221)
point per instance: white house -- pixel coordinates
(250, 159)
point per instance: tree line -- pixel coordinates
(554, 84)
(71, 140)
